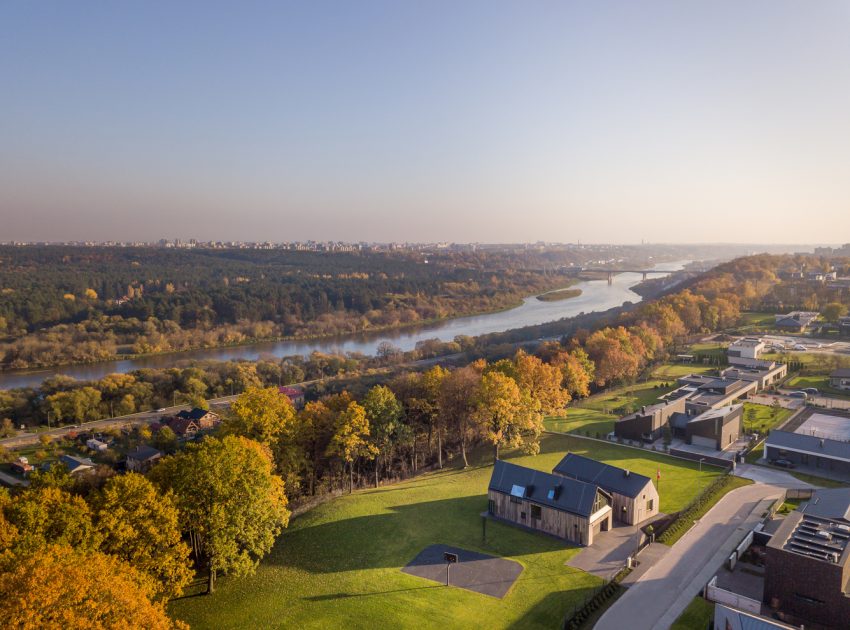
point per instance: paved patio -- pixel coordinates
(474, 571)
(608, 553)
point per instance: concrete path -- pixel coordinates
(770, 476)
(660, 595)
(608, 553)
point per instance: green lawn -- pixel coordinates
(338, 565)
(671, 371)
(817, 362)
(696, 616)
(820, 382)
(579, 420)
(761, 418)
(631, 396)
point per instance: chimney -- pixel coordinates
(821, 443)
(643, 409)
(626, 473)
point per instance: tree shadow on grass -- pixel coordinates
(394, 538)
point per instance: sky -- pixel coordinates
(430, 120)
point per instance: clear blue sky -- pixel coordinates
(430, 120)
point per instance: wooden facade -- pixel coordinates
(572, 527)
(635, 510)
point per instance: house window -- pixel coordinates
(515, 500)
(522, 516)
(535, 512)
(649, 505)
(491, 506)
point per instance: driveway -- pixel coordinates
(770, 476)
(664, 591)
(609, 551)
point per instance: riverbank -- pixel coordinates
(561, 294)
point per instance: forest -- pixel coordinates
(63, 304)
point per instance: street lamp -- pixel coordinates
(700, 463)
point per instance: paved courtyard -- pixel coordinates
(609, 550)
(474, 571)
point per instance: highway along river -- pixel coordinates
(596, 295)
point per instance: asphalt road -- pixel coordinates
(663, 592)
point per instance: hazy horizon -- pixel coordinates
(489, 122)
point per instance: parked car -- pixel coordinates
(799, 394)
(811, 391)
(783, 463)
(800, 346)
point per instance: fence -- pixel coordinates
(716, 594)
(708, 459)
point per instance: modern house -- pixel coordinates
(648, 423)
(634, 498)
(727, 618)
(840, 379)
(295, 395)
(566, 508)
(183, 427)
(807, 562)
(76, 465)
(142, 458)
(764, 373)
(705, 392)
(795, 321)
(745, 348)
(809, 451)
(717, 429)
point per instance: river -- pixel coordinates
(596, 295)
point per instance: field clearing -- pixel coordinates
(672, 371)
(339, 564)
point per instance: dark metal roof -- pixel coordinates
(194, 414)
(841, 373)
(607, 477)
(809, 444)
(569, 495)
(143, 453)
(833, 503)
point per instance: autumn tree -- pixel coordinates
(350, 440)
(834, 311)
(232, 505)
(542, 383)
(138, 524)
(457, 404)
(577, 372)
(503, 414)
(61, 588)
(261, 414)
(47, 515)
(315, 426)
(384, 413)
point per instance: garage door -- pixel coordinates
(697, 440)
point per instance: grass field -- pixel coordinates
(820, 382)
(817, 362)
(672, 371)
(579, 420)
(338, 565)
(761, 418)
(696, 616)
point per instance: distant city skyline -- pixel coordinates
(490, 122)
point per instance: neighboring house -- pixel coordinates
(807, 562)
(634, 497)
(716, 428)
(808, 451)
(711, 392)
(295, 395)
(795, 321)
(745, 348)
(840, 379)
(567, 508)
(203, 418)
(22, 466)
(726, 618)
(96, 445)
(184, 427)
(648, 423)
(77, 465)
(764, 373)
(142, 458)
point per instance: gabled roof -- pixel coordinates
(800, 442)
(76, 463)
(181, 425)
(194, 414)
(560, 493)
(840, 373)
(607, 477)
(143, 453)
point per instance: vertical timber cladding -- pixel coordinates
(564, 525)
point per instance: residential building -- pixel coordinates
(22, 466)
(183, 427)
(705, 392)
(840, 379)
(76, 465)
(566, 508)
(765, 373)
(809, 452)
(795, 321)
(634, 498)
(745, 348)
(807, 562)
(142, 458)
(203, 418)
(844, 326)
(648, 423)
(717, 429)
(96, 445)
(295, 395)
